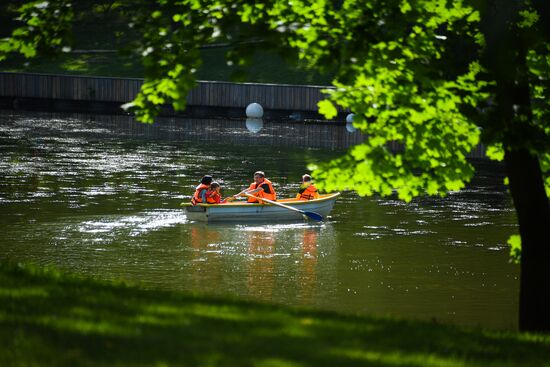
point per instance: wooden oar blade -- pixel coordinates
(314, 216)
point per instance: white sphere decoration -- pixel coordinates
(350, 128)
(254, 125)
(254, 110)
(349, 118)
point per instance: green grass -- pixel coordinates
(265, 68)
(88, 64)
(48, 318)
(106, 31)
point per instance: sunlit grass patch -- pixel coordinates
(50, 318)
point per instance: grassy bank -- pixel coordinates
(48, 318)
(97, 34)
(265, 68)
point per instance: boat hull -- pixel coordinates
(245, 212)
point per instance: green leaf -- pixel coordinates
(327, 109)
(528, 18)
(515, 248)
(473, 17)
(405, 6)
(495, 152)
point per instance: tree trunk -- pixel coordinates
(533, 212)
(513, 125)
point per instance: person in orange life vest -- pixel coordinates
(261, 188)
(200, 191)
(213, 195)
(308, 191)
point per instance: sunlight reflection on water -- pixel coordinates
(100, 195)
(132, 225)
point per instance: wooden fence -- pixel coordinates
(121, 90)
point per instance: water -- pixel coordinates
(100, 195)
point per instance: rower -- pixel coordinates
(260, 188)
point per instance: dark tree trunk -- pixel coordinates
(512, 124)
(533, 212)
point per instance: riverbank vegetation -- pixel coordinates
(101, 48)
(264, 68)
(51, 318)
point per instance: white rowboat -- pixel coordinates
(244, 212)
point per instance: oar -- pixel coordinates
(312, 215)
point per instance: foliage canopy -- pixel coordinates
(411, 71)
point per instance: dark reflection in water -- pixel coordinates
(100, 195)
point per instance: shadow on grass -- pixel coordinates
(48, 318)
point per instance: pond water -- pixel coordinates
(99, 195)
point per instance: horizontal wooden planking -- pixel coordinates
(104, 89)
(283, 97)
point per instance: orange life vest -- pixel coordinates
(197, 196)
(262, 193)
(308, 193)
(212, 197)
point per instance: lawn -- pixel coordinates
(266, 67)
(98, 35)
(50, 318)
